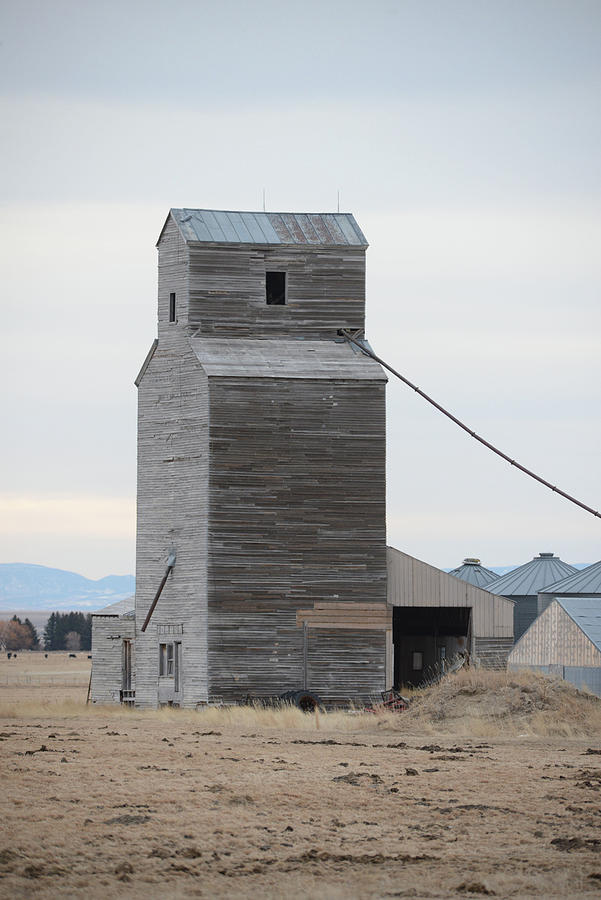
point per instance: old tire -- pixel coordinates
(307, 701)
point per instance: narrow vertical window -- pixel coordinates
(275, 288)
(172, 307)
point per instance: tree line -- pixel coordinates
(68, 631)
(64, 631)
(18, 635)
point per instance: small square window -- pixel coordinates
(172, 307)
(275, 288)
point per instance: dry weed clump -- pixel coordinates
(485, 703)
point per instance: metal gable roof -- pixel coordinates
(284, 358)
(586, 612)
(584, 581)
(214, 226)
(474, 573)
(529, 579)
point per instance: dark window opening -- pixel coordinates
(172, 307)
(275, 288)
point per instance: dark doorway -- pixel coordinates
(425, 638)
(126, 666)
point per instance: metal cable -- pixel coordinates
(353, 340)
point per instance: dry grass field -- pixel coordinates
(489, 786)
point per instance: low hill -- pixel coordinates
(24, 586)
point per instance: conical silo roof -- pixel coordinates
(533, 576)
(474, 573)
(585, 581)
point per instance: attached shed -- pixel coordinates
(113, 632)
(584, 583)
(564, 640)
(435, 616)
(523, 584)
(474, 572)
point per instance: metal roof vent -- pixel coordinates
(545, 555)
(471, 561)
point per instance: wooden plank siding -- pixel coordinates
(554, 639)
(172, 512)
(172, 491)
(271, 489)
(325, 291)
(108, 634)
(297, 517)
(346, 666)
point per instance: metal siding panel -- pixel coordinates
(211, 222)
(264, 226)
(585, 677)
(333, 227)
(279, 226)
(347, 230)
(309, 232)
(361, 239)
(225, 223)
(294, 228)
(193, 227)
(321, 230)
(254, 229)
(244, 235)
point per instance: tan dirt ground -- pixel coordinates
(107, 802)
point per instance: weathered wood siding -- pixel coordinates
(272, 490)
(108, 634)
(412, 582)
(325, 291)
(492, 653)
(297, 516)
(346, 665)
(172, 492)
(555, 639)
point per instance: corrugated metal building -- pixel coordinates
(523, 584)
(565, 640)
(583, 583)
(435, 616)
(474, 572)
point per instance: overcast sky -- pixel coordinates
(465, 137)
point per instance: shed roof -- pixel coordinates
(586, 612)
(474, 573)
(120, 608)
(529, 579)
(216, 226)
(275, 358)
(585, 581)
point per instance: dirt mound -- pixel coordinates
(482, 702)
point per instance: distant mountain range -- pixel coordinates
(24, 586)
(28, 587)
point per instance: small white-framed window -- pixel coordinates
(166, 659)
